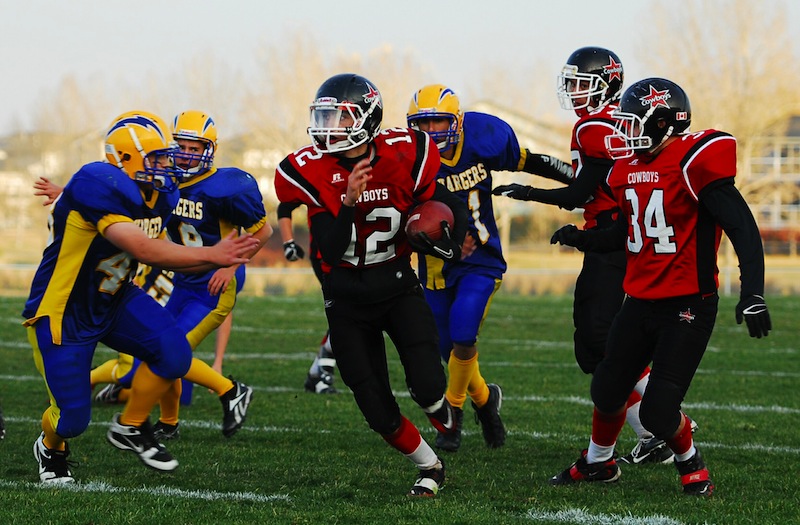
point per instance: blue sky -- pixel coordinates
(42, 41)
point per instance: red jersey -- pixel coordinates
(588, 141)
(404, 167)
(672, 240)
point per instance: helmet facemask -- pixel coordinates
(159, 170)
(444, 139)
(651, 111)
(199, 162)
(581, 90)
(434, 102)
(339, 126)
(199, 128)
(140, 144)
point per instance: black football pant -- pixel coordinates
(673, 334)
(598, 298)
(358, 344)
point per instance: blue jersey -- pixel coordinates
(81, 273)
(210, 206)
(488, 144)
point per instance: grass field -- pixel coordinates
(306, 459)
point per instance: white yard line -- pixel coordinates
(94, 486)
(583, 517)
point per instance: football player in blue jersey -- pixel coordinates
(197, 139)
(110, 216)
(117, 372)
(213, 202)
(472, 145)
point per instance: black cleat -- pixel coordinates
(694, 476)
(428, 482)
(234, 407)
(649, 451)
(451, 441)
(494, 433)
(109, 394)
(53, 464)
(164, 431)
(605, 471)
(321, 384)
(141, 441)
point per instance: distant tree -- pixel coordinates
(276, 105)
(735, 59)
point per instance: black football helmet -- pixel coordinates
(650, 111)
(346, 112)
(591, 79)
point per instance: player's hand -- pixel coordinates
(568, 235)
(445, 248)
(753, 311)
(469, 246)
(45, 188)
(220, 279)
(357, 182)
(292, 251)
(515, 191)
(233, 249)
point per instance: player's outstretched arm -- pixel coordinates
(168, 255)
(548, 167)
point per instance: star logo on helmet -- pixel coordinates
(656, 98)
(371, 95)
(613, 70)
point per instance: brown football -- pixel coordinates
(427, 217)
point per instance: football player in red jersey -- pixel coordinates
(675, 192)
(590, 84)
(359, 183)
(320, 376)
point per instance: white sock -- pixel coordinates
(423, 457)
(686, 455)
(598, 454)
(632, 417)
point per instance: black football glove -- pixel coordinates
(753, 311)
(515, 191)
(568, 235)
(292, 251)
(445, 248)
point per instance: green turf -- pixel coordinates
(307, 459)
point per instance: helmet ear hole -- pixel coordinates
(125, 157)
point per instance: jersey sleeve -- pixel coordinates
(426, 167)
(503, 151)
(591, 137)
(711, 158)
(98, 199)
(245, 206)
(292, 186)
